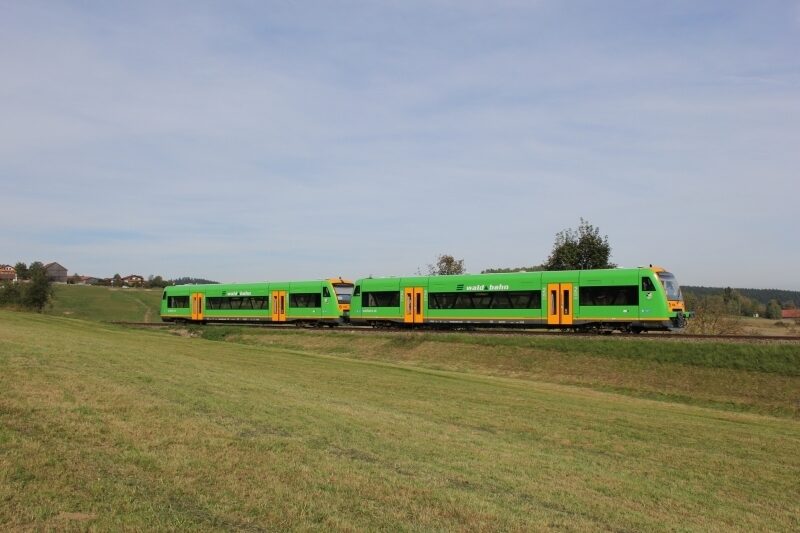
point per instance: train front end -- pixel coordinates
(344, 293)
(676, 307)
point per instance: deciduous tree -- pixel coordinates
(774, 310)
(22, 270)
(38, 292)
(580, 249)
(446, 265)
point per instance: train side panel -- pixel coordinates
(626, 299)
(279, 302)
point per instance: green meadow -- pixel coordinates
(105, 303)
(103, 428)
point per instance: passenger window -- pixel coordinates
(647, 285)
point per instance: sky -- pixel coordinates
(267, 140)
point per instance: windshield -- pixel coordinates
(344, 292)
(670, 286)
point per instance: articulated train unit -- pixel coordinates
(624, 299)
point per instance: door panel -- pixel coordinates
(278, 306)
(418, 305)
(566, 304)
(559, 304)
(413, 312)
(197, 306)
(553, 304)
(408, 303)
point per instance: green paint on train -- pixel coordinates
(321, 302)
(626, 299)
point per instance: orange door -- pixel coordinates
(418, 305)
(197, 306)
(408, 302)
(559, 304)
(279, 306)
(566, 304)
(414, 305)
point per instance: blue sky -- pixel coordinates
(273, 140)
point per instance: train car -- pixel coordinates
(625, 299)
(321, 302)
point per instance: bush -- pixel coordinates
(711, 318)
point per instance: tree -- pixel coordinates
(155, 282)
(10, 293)
(580, 249)
(116, 280)
(22, 270)
(773, 310)
(446, 265)
(38, 292)
(35, 268)
(535, 268)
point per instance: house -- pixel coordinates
(56, 272)
(7, 273)
(133, 280)
(790, 313)
(88, 280)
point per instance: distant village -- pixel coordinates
(57, 273)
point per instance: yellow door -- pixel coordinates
(566, 304)
(408, 299)
(413, 310)
(553, 304)
(559, 304)
(279, 306)
(418, 307)
(197, 306)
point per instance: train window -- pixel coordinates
(236, 302)
(178, 302)
(325, 292)
(647, 284)
(344, 292)
(164, 296)
(305, 299)
(381, 299)
(357, 292)
(613, 295)
(485, 300)
(670, 286)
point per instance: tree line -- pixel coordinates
(741, 302)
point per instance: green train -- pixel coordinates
(320, 302)
(625, 299)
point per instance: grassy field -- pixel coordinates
(755, 377)
(769, 327)
(105, 303)
(105, 428)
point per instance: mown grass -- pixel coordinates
(106, 303)
(757, 377)
(103, 428)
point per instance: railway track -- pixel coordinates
(485, 331)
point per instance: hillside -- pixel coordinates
(103, 428)
(106, 303)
